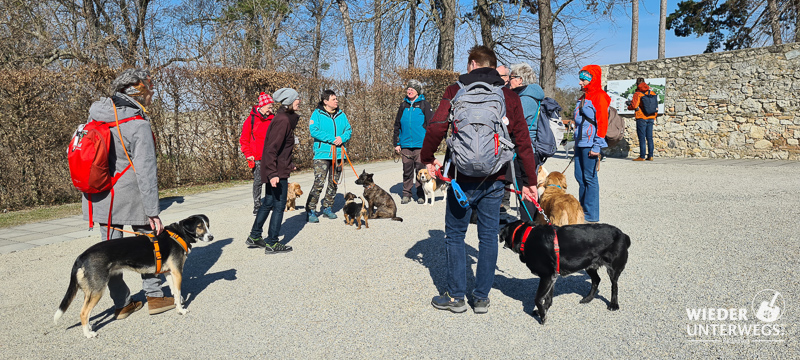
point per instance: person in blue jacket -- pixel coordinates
(330, 129)
(409, 131)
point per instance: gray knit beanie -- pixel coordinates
(285, 96)
(416, 85)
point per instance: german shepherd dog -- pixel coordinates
(584, 246)
(98, 263)
(380, 204)
(354, 212)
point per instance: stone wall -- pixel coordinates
(735, 104)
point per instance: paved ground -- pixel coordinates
(705, 234)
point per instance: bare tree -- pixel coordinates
(634, 30)
(774, 23)
(662, 30)
(378, 40)
(547, 73)
(485, 13)
(443, 14)
(351, 43)
(319, 9)
(412, 32)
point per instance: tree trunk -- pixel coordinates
(662, 30)
(486, 25)
(412, 32)
(351, 44)
(317, 13)
(447, 32)
(634, 30)
(774, 22)
(547, 73)
(378, 49)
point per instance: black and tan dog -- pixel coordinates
(354, 212)
(584, 246)
(98, 263)
(380, 205)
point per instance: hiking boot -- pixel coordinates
(328, 213)
(131, 308)
(255, 242)
(276, 248)
(638, 159)
(157, 305)
(405, 200)
(312, 217)
(420, 200)
(445, 302)
(481, 306)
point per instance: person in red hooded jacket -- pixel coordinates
(644, 123)
(254, 131)
(591, 124)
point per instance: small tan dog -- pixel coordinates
(560, 207)
(430, 184)
(292, 193)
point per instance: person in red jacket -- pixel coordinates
(254, 131)
(484, 194)
(644, 123)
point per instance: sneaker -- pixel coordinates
(481, 306)
(420, 200)
(131, 308)
(157, 305)
(312, 216)
(328, 213)
(445, 302)
(405, 200)
(638, 159)
(276, 248)
(255, 242)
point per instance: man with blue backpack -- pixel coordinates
(488, 127)
(645, 102)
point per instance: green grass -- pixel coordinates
(44, 213)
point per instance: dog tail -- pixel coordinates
(397, 218)
(363, 203)
(72, 289)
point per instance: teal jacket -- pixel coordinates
(410, 123)
(324, 128)
(531, 97)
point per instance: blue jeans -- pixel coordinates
(274, 201)
(486, 201)
(588, 184)
(644, 129)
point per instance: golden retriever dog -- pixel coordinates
(430, 184)
(292, 193)
(541, 175)
(560, 207)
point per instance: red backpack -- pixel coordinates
(88, 158)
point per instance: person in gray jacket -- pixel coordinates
(133, 200)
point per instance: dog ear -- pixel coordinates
(189, 224)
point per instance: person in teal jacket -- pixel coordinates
(409, 131)
(330, 129)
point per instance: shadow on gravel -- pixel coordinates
(165, 203)
(292, 226)
(430, 253)
(195, 273)
(97, 321)
(524, 290)
(397, 189)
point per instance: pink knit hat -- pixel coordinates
(264, 99)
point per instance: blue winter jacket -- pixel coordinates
(585, 132)
(531, 97)
(411, 121)
(324, 128)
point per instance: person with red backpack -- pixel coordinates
(645, 102)
(254, 131)
(133, 195)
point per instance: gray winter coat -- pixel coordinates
(136, 192)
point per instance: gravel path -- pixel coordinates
(705, 234)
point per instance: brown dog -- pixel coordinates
(292, 193)
(354, 212)
(560, 207)
(430, 184)
(380, 204)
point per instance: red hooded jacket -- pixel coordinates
(599, 98)
(252, 141)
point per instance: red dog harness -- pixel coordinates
(556, 247)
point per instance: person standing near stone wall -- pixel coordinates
(644, 123)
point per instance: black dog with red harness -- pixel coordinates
(549, 251)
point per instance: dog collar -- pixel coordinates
(558, 186)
